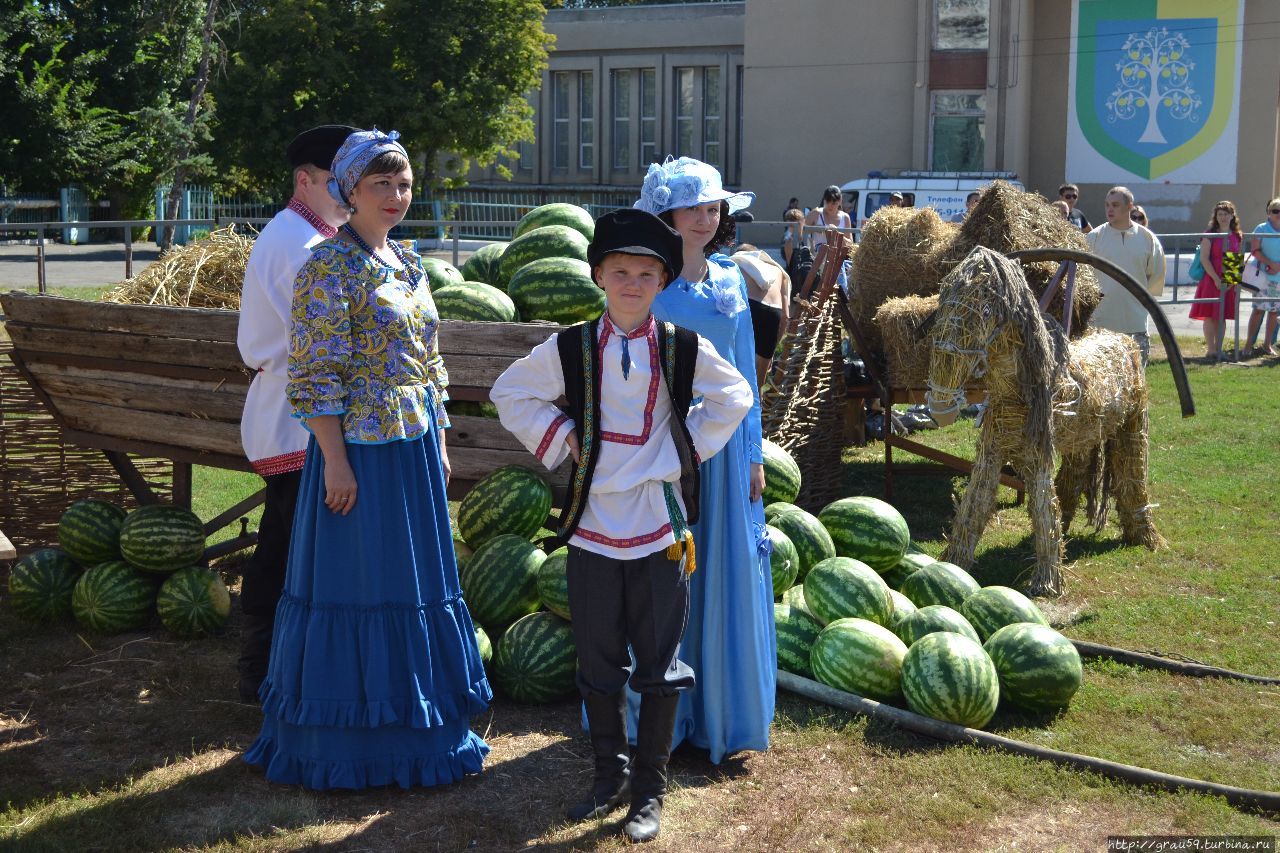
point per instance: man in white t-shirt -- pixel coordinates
(274, 441)
(1138, 252)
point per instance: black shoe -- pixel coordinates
(649, 766)
(607, 717)
(255, 650)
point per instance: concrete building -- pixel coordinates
(788, 96)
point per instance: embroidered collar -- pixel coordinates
(607, 328)
(324, 228)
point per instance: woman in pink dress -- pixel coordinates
(1211, 253)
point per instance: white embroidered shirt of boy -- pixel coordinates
(626, 515)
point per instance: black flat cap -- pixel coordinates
(316, 147)
(637, 232)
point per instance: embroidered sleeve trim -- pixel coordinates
(550, 434)
(630, 542)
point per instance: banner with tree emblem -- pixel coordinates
(1154, 91)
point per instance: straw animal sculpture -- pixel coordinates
(1046, 397)
(205, 273)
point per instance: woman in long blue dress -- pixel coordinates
(374, 670)
(730, 640)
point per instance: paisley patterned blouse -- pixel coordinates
(363, 345)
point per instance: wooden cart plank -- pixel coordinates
(195, 434)
(202, 324)
(151, 397)
(512, 340)
(239, 377)
(215, 355)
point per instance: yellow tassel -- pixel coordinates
(674, 550)
(691, 562)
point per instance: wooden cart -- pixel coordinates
(168, 382)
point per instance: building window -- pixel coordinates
(737, 141)
(684, 112)
(648, 116)
(560, 120)
(699, 108)
(961, 24)
(621, 99)
(712, 110)
(957, 137)
(586, 121)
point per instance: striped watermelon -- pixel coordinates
(558, 213)
(784, 560)
(992, 607)
(441, 273)
(483, 645)
(89, 531)
(161, 538)
(796, 631)
(902, 608)
(777, 508)
(461, 553)
(535, 660)
(911, 562)
(794, 598)
(867, 529)
(859, 657)
(813, 542)
(471, 408)
(949, 677)
(939, 583)
(553, 583)
(840, 587)
(1039, 668)
(501, 580)
(113, 597)
(511, 499)
(474, 300)
(549, 241)
(193, 601)
(781, 474)
(483, 264)
(557, 289)
(40, 585)
(932, 618)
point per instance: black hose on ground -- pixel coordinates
(1150, 661)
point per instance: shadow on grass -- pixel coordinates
(1011, 565)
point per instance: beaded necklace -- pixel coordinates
(410, 271)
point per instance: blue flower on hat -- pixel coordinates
(684, 183)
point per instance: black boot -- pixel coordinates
(649, 766)
(607, 717)
(255, 650)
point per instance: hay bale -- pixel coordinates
(892, 260)
(205, 273)
(1009, 220)
(904, 323)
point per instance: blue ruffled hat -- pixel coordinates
(684, 183)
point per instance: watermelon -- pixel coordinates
(902, 608)
(1039, 669)
(483, 645)
(859, 657)
(483, 264)
(441, 273)
(911, 562)
(932, 618)
(40, 585)
(553, 583)
(557, 213)
(500, 582)
(557, 289)
(549, 241)
(784, 560)
(992, 607)
(796, 632)
(777, 508)
(794, 598)
(113, 597)
(867, 529)
(812, 541)
(535, 660)
(939, 583)
(89, 531)
(161, 538)
(511, 499)
(193, 601)
(461, 553)
(840, 587)
(949, 677)
(474, 300)
(781, 474)
(471, 408)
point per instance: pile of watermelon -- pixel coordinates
(116, 569)
(862, 610)
(516, 591)
(542, 274)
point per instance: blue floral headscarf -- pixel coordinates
(356, 153)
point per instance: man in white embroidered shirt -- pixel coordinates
(636, 438)
(1138, 252)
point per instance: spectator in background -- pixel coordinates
(970, 202)
(792, 204)
(1213, 314)
(1070, 193)
(1063, 208)
(828, 215)
(791, 234)
(1266, 252)
(1139, 215)
(1135, 250)
(896, 200)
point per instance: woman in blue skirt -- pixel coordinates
(730, 640)
(374, 669)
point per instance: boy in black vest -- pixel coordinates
(636, 442)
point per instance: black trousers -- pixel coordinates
(263, 577)
(642, 604)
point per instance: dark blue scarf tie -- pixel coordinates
(626, 359)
